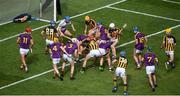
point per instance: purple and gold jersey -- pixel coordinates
(82, 37)
(103, 34)
(140, 41)
(25, 40)
(56, 50)
(71, 47)
(149, 59)
(106, 45)
(50, 32)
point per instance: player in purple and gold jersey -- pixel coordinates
(150, 60)
(71, 48)
(140, 43)
(25, 42)
(121, 65)
(169, 43)
(48, 34)
(56, 50)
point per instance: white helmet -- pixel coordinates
(74, 40)
(111, 25)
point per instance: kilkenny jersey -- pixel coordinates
(93, 45)
(50, 32)
(122, 62)
(169, 42)
(91, 23)
(114, 32)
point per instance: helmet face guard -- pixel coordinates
(136, 29)
(67, 18)
(52, 23)
(123, 54)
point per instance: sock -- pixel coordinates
(125, 87)
(115, 82)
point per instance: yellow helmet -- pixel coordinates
(56, 39)
(87, 18)
(168, 30)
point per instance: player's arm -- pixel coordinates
(163, 43)
(31, 45)
(18, 40)
(63, 49)
(72, 26)
(85, 28)
(43, 34)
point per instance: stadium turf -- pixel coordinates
(93, 82)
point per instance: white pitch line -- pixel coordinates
(5, 23)
(171, 1)
(90, 11)
(146, 14)
(34, 76)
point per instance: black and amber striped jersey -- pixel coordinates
(93, 45)
(169, 42)
(50, 32)
(122, 63)
(91, 23)
(114, 32)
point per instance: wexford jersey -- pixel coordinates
(114, 32)
(122, 62)
(25, 40)
(105, 46)
(71, 47)
(149, 59)
(169, 42)
(56, 50)
(140, 41)
(50, 32)
(103, 34)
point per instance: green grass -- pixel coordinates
(93, 81)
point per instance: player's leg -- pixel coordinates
(88, 56)
(101, 63)
(55, 62)
(68, 33)
(149, 71)
(72, 71)
(108, 58)
(171, 59)
(154, 79)
(23, 53)
(124, 78)
(63, 68)
(135, 56)
(114, 89)
(113, 48)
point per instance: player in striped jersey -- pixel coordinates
(93, 46)
(120, 71)
(48, 34)
(169, 43)
(91, 24)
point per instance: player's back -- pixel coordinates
(55, 49)
(25, 40)
(140, 38)
(91, 23)
(122, 62)
(51, 32)
(93, 45)
(170, 41)
(149, 59)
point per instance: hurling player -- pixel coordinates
(91, 24)
(150, 60)
(121, 65)
(25, 42)
(62, 26)
(140, 41)
(169, 43)
(48, 34)
(71, 49)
